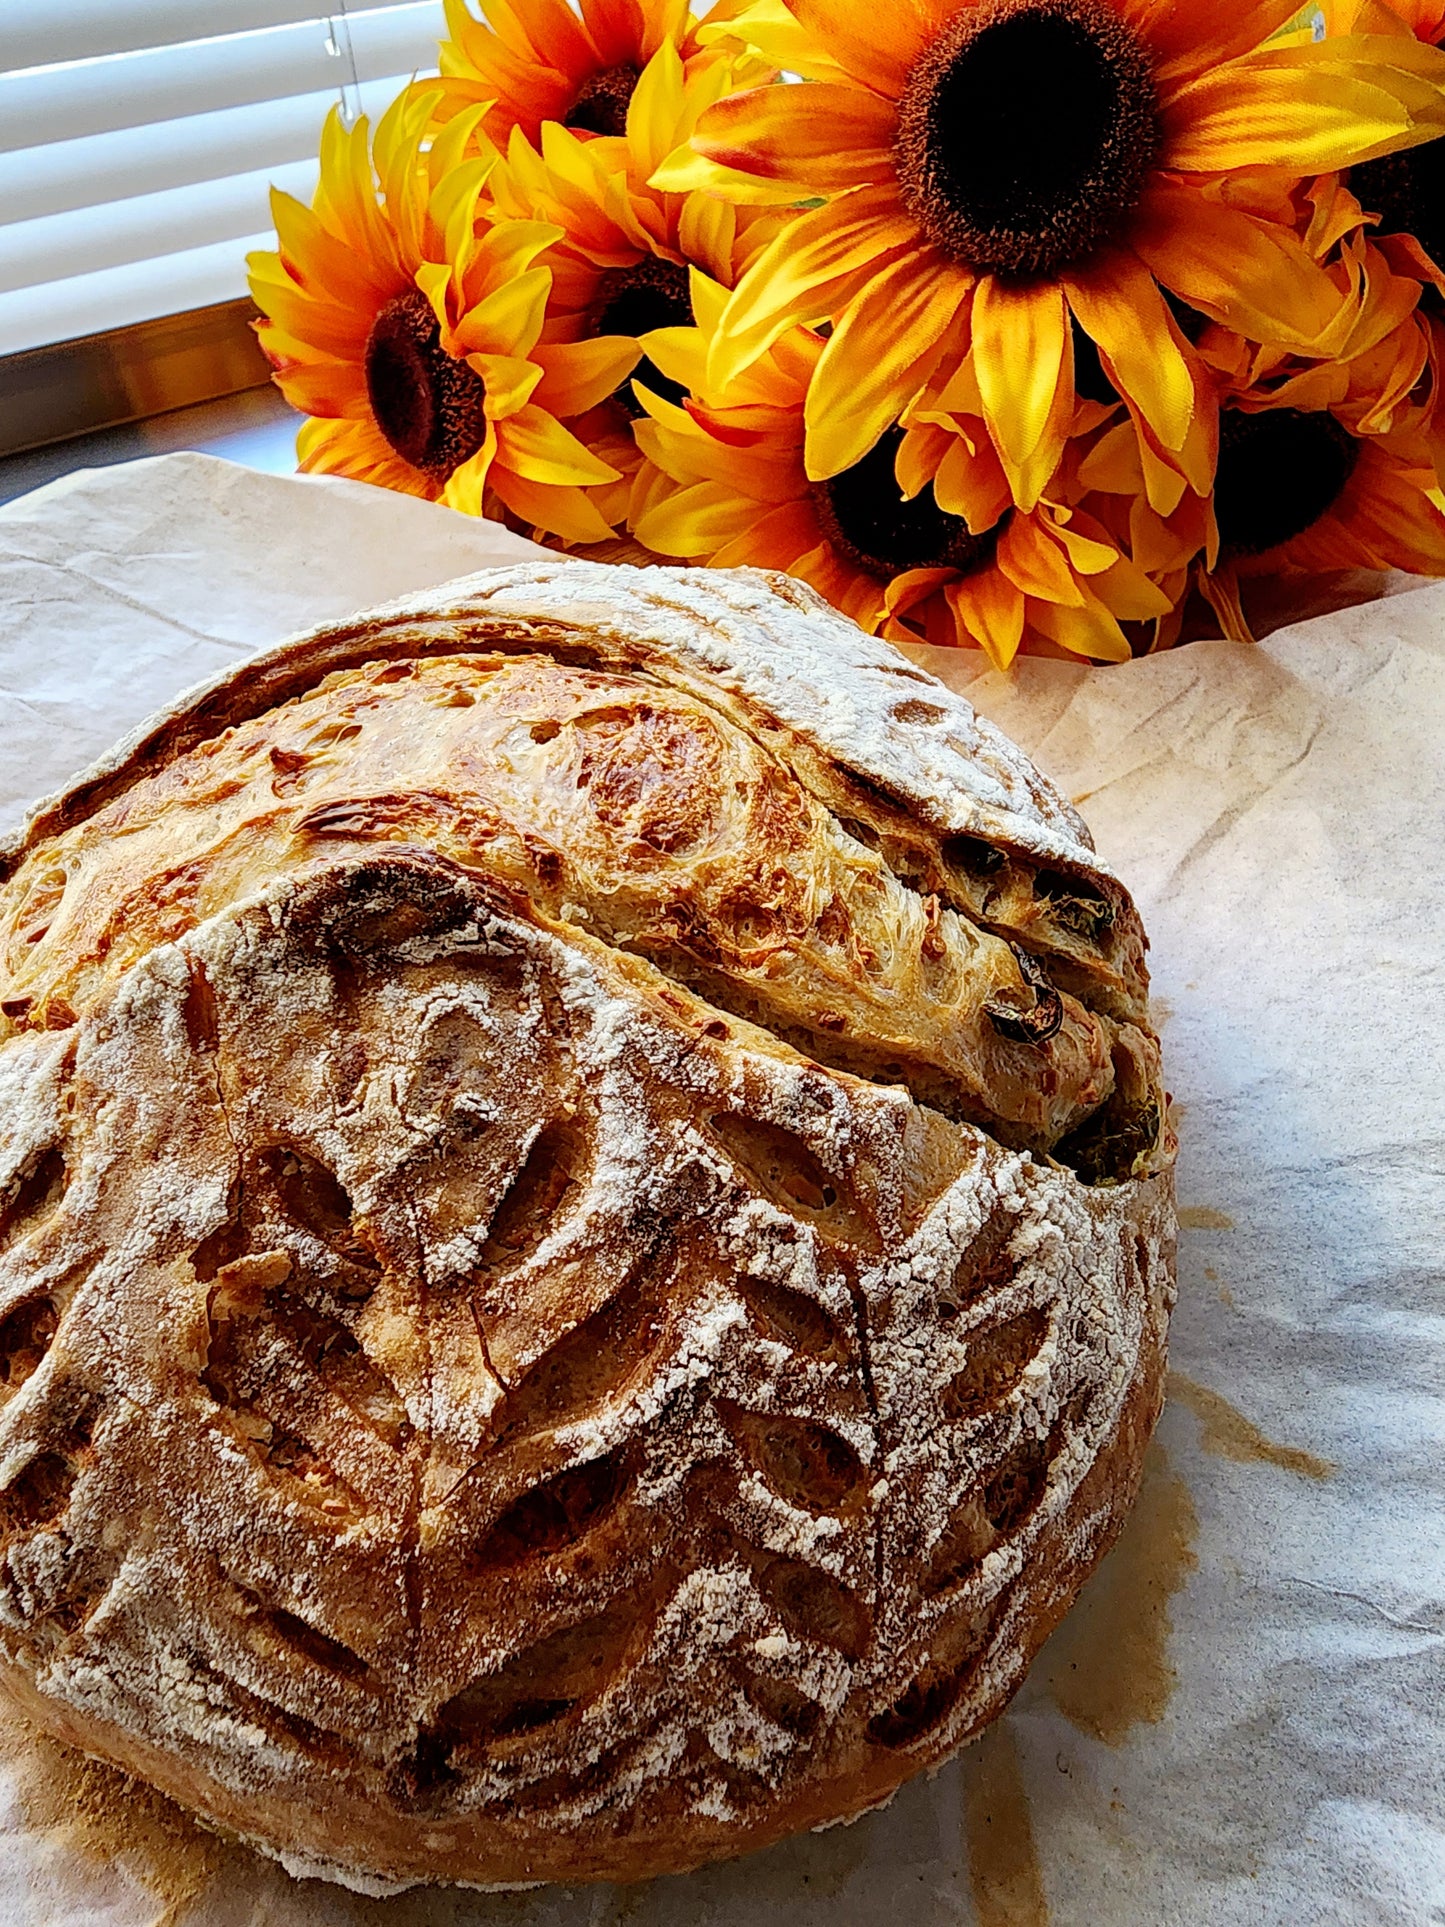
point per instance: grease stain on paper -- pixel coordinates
(627, 1904)
(1201, 1217)
(1003, 1862)
(98, 1812)
(1225, 1432)
(101, 1815)
(1107, 1667)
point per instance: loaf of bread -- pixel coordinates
(587, 1233)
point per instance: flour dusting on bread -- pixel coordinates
(588, 1238)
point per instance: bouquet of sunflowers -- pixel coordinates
(1009, 324)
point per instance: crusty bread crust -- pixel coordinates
(589, 1233)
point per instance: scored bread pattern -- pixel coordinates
(474, 1406)
(419, 1515)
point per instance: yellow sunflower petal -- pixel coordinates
(707, 233)
(1127, 592)
(509, 320)
(453, 205)
(334, 329)
(345, 198)
(1087, 555)
(538, 447)
(687, 172)
(681, 454)
(679, 353)
(774, 35)
(879, 356)
(1018, 353)
(317, 261)
(816, 263)
(564, 511)
(1187, 37)
(465, 486)
(577, 375)
(495, 254)
(313, 439)
(399, 170)
(1086, 630)
(1242, 117)
(654, 118)
(697, 521)
(510, 381)
(434, 278)
(709, 299)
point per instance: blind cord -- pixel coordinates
(338, 44)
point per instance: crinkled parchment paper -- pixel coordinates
(1243, 1719)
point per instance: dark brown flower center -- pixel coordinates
(1024, 133)
(864, 515)
(1407, 191)
(429, 406)
(1279, 472)
(633, 301)
(601, 103)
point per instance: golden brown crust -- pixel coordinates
(526, 1350)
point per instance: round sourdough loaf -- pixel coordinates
(588, 1232)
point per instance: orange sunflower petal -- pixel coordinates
(989, 609)
(1247, 273)
(775, 541)
(1036, 565)
(1187, 37)
(1118, 304)
(876, 46)
(816, 138)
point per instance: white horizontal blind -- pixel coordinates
(138, 139)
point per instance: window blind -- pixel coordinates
(139, 138)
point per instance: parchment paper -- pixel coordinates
(1243, 1719)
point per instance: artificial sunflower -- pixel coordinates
(622, 252)
(994, 172)
(725, 483)
(1313, 482)
(545, 61)
(410, 333)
